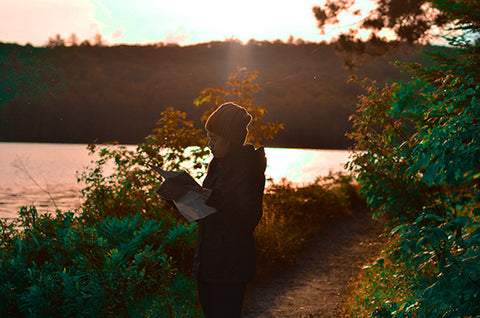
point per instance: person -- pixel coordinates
(225, 254)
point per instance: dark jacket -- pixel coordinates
(225, 245)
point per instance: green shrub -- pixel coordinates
(418, 163)
(55, 266)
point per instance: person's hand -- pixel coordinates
(205, 193)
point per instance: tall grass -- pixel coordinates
(292, 214)
(380, 287)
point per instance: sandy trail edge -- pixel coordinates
(319, 283)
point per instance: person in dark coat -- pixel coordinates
(225, 255)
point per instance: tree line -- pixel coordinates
(117, 93)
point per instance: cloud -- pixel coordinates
(176, 38)
(117, 34)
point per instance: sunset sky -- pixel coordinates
(151, 21)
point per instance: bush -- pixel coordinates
(121, 183)
(417, 161)
(55, 266)
(59, 265)
(292, 214)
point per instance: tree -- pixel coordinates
(174, 144)
(411, 22)
(98, 41)
(57, 41)
(73, 39)
(417, 158)
(240, 90)
(85, 43)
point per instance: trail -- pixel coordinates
(318, 285)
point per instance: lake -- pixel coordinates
(29, 171)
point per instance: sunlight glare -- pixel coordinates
(303, 165)
(242, 20)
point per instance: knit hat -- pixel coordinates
(229, 121)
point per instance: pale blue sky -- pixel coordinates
(151, 21)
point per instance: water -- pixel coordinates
(36, 173)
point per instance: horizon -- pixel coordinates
(175, 22)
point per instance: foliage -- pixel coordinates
(381, 287)
(121, 183)
(29, 77)
(409, 22)
(182, 145)
(175, 144)
(57, 266)
(394, 23)
(418, 161)
(240, 91)
(292, 214)
(134, 266)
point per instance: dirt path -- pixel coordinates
(318, 285)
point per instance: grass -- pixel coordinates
(292, 215)
(379, 288)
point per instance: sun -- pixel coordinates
(250, 19)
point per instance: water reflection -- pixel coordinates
(303, 165)
(55, 167)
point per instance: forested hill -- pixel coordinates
(89, 93)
